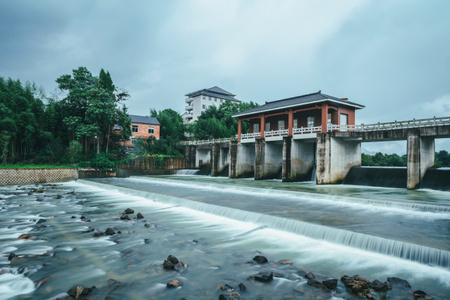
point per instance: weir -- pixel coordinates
(293, 155)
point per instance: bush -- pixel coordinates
(103, 161)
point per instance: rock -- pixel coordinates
(262, 276)
(260, 259)
(226, 287)
(24, 237)
(41, 221)
(173, 259)
(98, 234)
(242, 287)
(147, 241)
(285, 262)
(178, 266)
(379, 286)
(315, 283)
(232, 296)
(310, 275)
(140, 216)
(128, 211)
(80, 291)
(356, 284)
(124, 216)
(168, 265)
(419, 294)
(330, 284)
(109, 231)
(397, 282)
(39, 199)
(11, 256)
(57, 196)
(174, 283)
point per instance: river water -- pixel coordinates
(215, 226)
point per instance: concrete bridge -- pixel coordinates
(309, 152)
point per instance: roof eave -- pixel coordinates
(356, 106)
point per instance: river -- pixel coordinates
(215, 226)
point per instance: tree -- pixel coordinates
(91, 107)
(171, 133)
(216, 122)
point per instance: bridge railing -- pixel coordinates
(203, 142)
(392, 125)
(270, 133)
(250, 135)
(304, 130)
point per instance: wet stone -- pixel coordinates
(310, 276)
(315, 283)
(397, 282)
(41, 221)
(242, 287)
(110, 231)
(11, 256)
(174, 283)
(263, 276)
(260, 259)
(379, 286)
(330, 284)
(128, 211)
(124, 216)
(98, 234)
(140, 216)
(232, 296)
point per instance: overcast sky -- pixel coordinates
(391, 56)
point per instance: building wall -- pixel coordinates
(200, 103)
(143, 132)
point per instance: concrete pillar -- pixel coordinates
(232, 159)
(420, 157)
(215, 157)
(259, 158)
(245, 160)
(286, 165)
(189, 156)
(335, 158)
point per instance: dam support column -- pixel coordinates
(420, 157)
(232, 158)
(335, 158)
(189, 156)
(286, 165)
(303, 160)
(259, 158)
(245, 161)
(215, 157)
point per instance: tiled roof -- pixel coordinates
(298, 101)
(215, 91)
(144, 120)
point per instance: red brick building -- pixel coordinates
(141, 127)
(311, 113)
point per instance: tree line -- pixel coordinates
(39, 129)
(35, 128)
(442, 159)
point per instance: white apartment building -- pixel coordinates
(199, 101)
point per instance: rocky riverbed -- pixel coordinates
(57, 242)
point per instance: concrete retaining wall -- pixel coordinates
(32, 176)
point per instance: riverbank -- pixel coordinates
(73, 235)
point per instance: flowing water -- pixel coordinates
(216, 226)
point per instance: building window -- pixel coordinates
(295, 123)
(281, 125)
(329, 118)
(204, 97)
(256, 127)
(151, 129)
(311, 121)
(134, 128)
(215, 99)
(133, 140)
(267, 126)
(203, 106)
(209, 98)
(117, 128)
(221, 100)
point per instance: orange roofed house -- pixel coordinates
(141, 127)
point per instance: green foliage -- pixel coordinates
(442, 159)
(383, 160)
(74, 149)
(103, 161)
(216, 123)
(171, 134)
